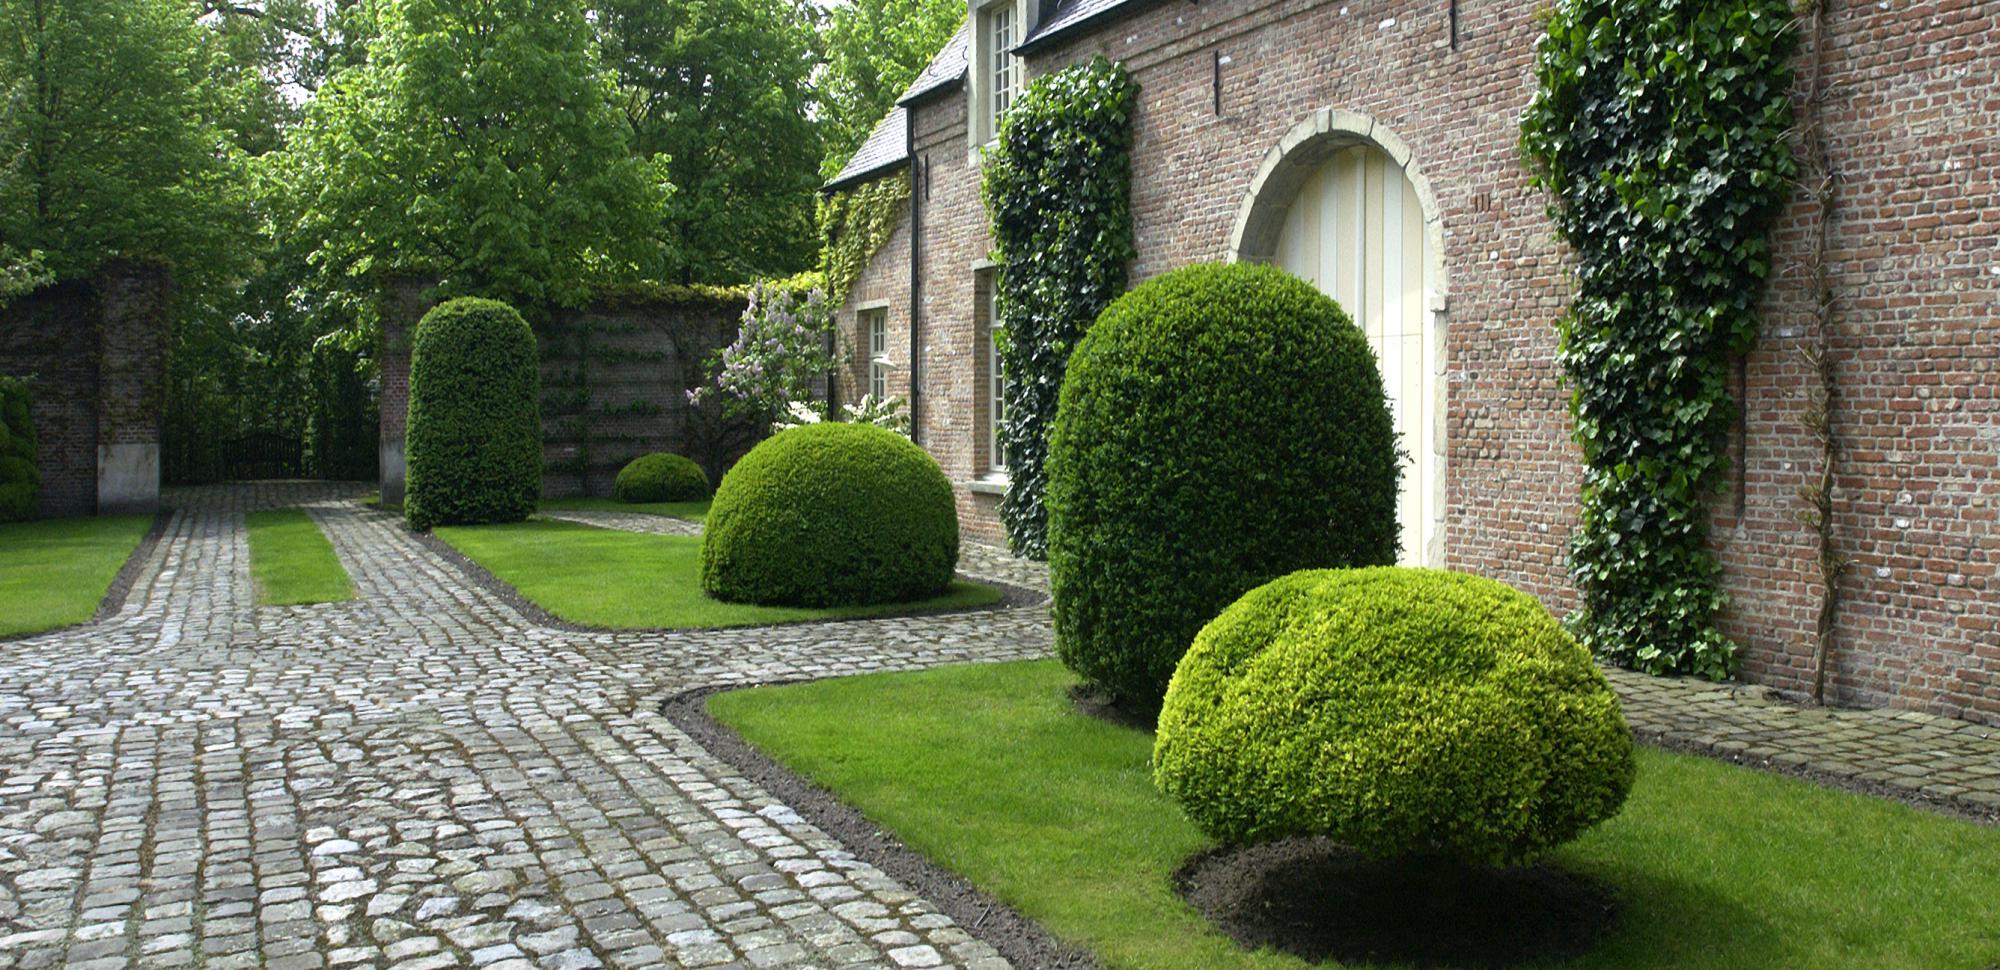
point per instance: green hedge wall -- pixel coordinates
(1220, 426)
(20, 460)
(474, 441)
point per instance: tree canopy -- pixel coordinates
(873, 50)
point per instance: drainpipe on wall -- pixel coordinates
(916, 279)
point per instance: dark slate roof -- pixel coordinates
(945, 70)
(887, 147)
(1073, 15)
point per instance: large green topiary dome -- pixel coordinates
(1219, 426)
(475, 426)
(1404, 712)
(661, 477)
(833, 514)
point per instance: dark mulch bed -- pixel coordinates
(1091, 701)
(1322, 901)
(1021, 940)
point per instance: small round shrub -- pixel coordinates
(1219, 426)
(833, 514)
(1404, 712)
(661, 477)
(475, 428)
(20, 471)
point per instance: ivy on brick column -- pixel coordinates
(1659, 130)
(1059, 191)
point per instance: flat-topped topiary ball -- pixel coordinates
(1404, 712)
(832, 514)
(661, 477)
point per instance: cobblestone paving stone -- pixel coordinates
(422, 778)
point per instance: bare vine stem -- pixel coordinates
(1816, 173)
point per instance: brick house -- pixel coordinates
(1371, 146)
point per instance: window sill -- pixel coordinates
(994, 483)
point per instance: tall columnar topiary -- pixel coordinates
(20, 468)
(831, 515)
(1221, 426)
(1660, 132)
(475, 426)
(1059, 192)
(1404, 712)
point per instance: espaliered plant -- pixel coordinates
(1659, 130)
(20, 469)
(475, 431)
(1060, 193)
(1221, 426)
(854, 225)
(1404, 712)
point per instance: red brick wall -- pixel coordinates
(1914, 249)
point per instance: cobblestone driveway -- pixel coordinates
(420, 778)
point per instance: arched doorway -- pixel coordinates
(1337, 205)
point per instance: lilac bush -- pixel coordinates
(780, 358)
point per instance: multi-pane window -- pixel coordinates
(876, 324)
(1006, 68)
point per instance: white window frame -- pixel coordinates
(995, 74)
(996, 404)
(875, 329)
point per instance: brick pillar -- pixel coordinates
(402, 305)
(132, 312)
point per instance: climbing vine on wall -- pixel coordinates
(1058, 190)
(854, 225)
(1660, 131)
(1823, 394)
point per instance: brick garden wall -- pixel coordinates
(1914, 249)
(95, 354)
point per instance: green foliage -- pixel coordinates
(1221, 426)
(719, 90)
(21, 273)
(854, 225)
(1660, 132)
(20, 462)
(475, 429)
(1404, 712)
(873, 50)
(108, 148)
(661, 477)
(831, 515)
(482, 145)
(1059, 194)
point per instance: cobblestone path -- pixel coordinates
(420, 778)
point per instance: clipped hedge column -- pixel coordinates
(1220, 426)
(20, 462)
(475, 426)
(1403, 712)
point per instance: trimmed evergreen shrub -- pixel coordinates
(1403, 712)
(1220, 426)
(661, 477)
(20, 460)
(475, 433)
(831, 514)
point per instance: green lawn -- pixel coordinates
(629, 581)
(292, 563)
(989, 772)
(55, 573)
(691, 511)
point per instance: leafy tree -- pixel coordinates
(481, 145)
(874, 49)
(721, 89)
(107, 144)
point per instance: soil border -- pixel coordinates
(122, 582)
(1024, 942)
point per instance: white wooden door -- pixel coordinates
(1356, 231)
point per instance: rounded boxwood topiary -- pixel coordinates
(475, 426)
(1404, 712)
(834, 514)
(20, 469)
(1219, 426)
(661, 477)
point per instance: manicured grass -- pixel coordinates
(988, 771)
(292, 563)
(625, 580)
(691, 511)
(55, 573)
